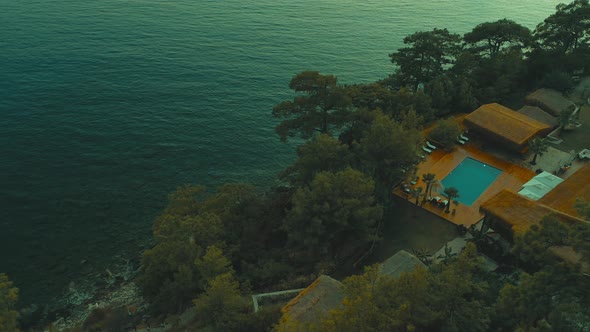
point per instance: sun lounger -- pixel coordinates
(425, 149)
(460, 141)
(430, 146)
(463, 137)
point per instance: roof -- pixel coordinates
(539, 115)
(569, 254)
(563, 197)
(505, 123)
(399, 263)
(540, 185)
(549, 100)
(312, 303)
(519, 212)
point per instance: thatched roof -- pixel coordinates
(519, 213)
(569, 254)
(549, 100)
(399, 263)
(563, 196)
(505, 123)
(539, 115)
(312, 303)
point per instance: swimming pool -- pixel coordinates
(471, 178)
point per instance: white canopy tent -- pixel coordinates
(540, 185)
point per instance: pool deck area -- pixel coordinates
(442, 163)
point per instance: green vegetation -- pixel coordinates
(213, 247)
(538, 147)
(8, 298)
(322, 108)
(445, 133)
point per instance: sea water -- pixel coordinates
(108, 105)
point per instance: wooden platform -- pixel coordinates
(441, 164)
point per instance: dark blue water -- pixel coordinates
(106, 106)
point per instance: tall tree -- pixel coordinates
(8, 298)
(492, 36)
(429, 179)
(387, 148)
(538, 146)
(333, 217)
(418, 193)
(445, 132)
(451, 193)
(324, 106)
(567, 30)
(222, 305)
(425, 57)
(323, 153)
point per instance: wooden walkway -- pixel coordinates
(441, 164)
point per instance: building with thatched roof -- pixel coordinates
(510, 213)
(550, 101)
(399, 263)
(564, 196)
(538, 114)
(311, 304)
(505, 126)
(540, 185)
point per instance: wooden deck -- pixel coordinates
(441, 164)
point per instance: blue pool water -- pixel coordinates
(471, 178)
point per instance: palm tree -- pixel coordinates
(538, 146)
(428, 178)
(451, 193)
(417, 193)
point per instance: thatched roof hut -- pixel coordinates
(512, 213)
(538, 114)
(563, 196)
(399, 263)
(505, 126)
(311, 304)
(550, 101)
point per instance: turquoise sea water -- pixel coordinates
(471, 177)
(106, 106)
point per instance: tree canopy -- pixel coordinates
(333, 217)
(567, 30)
(8, 298)
(425, 57)
(324, 106)
(445, 132)
(492, 36)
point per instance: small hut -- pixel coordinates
(311, 304)
(505, 126)
(550, 101)
(538, 114)
(399, 263)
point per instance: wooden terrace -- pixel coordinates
(441, 163)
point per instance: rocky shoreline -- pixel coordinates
(113, 287)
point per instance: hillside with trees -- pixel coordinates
(214, 247)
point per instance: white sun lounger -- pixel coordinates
(425, 149)
(430, 146)
(463, 137)
(460, 141)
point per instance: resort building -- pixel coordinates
(505, 126)
(311, 304)
(551, 101)
(538, 114)
(510, 213)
